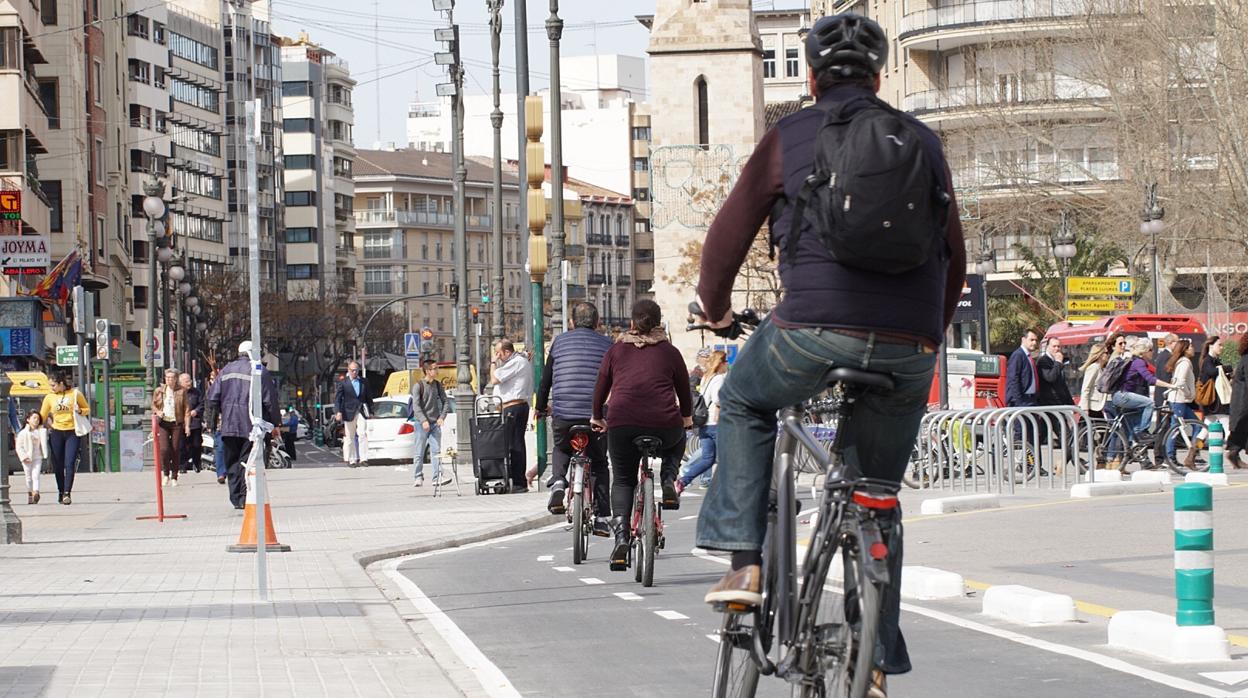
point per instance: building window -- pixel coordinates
(769, 63)
(300, 198)
(298, 125)
(702, 114)
(339, 94)
(10, 48)
(97, 161)
(194, 95)
(97, 79)
(146, 161)
(199, 227)
(378, 245)
(438, 250)
(139, 71)
(791, 62)
(300, 162)
(641, 133)
(47, 12)
(641, 194)
(140, 295)
(300, 271)
(158, 33)
(205, 142)
(297, 89)
(52, 190)
(137, 25)
(641, 164)
(342, 167)
(298, 235)
(377, 282)
(140, 116)
(192, 50)
(197, 183)
(51, 101)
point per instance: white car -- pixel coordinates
(391, 431)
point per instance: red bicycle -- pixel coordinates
(647, 520)
(580, 507)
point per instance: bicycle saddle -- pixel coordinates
(862, 379)
(648, 444)
(580, 429)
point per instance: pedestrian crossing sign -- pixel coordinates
(411, 345)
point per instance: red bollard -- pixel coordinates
(160, 491)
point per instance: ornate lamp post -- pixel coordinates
(1152, 226)
(1064, 250)
(986, 264)
(154, 208)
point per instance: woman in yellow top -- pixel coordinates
(58, 414)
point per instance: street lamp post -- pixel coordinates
(554, 31)
(455, 90)
(522, 92)
(1064, 250)
(496, 120)
(154, 208)
(1152, 226)
(986, 264)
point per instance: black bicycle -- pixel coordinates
(808, 631)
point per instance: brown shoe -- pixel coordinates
(879, 685)
(30, 498)
(1189, 461)
(36, 498)
(741, 586)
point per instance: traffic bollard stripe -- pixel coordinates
(1193, 520)
(1193, 560)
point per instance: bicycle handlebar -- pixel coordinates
(742, 323)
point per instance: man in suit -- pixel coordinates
(351, 401)
(1159, 368)
(1022, 378)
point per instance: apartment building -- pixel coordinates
(405, 218)
(253, 72)
(607, 219)
(643, 233)
(318, 164)
(784, 53)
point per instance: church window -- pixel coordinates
(703, 117)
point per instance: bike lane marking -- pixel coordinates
(671, 615)
(592, 581)
(627, 596)
(1105, 661)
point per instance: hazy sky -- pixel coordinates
(402, 53)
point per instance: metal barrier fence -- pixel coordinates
(1003, 449)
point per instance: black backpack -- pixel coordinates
(1112, 375)
(873, 196)
(701, 411)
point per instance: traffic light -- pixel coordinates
(452, 291)
(426, 342)
(114, 339)
(476, 315)
(299, 392)
(485, 293)
(102, 345)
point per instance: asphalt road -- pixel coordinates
(555, 629)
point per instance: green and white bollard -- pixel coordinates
(1217, 446)
(1193, 553)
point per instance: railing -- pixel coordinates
(595, 239)
(415, 218)
(621, 240)
(596, 279)
(1004, 90)
(1003, 449)
(986, 176)
(965, 13)
(623, 280)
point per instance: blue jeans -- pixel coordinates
(433, 438)
(218, 453)
(1182, 411)
(781, 367)
(64, 443)
(1130, 402)
(706, 455)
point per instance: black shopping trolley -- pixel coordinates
(491, 460)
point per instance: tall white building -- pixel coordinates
(319, 161)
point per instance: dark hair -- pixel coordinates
(506, 345)
(646, 315)
(584, 315)
(1204, 350)
(60, 376)
(826, 81)
(1243, 344)
(1180, 350)
(34, 413)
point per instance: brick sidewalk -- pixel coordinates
(96, 603)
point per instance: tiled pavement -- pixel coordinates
(96, 603)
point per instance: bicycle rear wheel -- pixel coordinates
(649, 535)
(843, 629)
(580, 537)
(1184, 442)
(736, 674)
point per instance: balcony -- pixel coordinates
(1017, 93)
(948, 26)
(596, 279)
(574, 251)
(386, 217)
(341, 214)
(621, 240)
(593, 239)
(1029, 174)
(624, 280)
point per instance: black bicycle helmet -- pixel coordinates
(847, 44)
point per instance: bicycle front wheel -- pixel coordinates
(736, 674)
(649, 535)
(845, 626)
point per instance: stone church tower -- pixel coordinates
(706, 106)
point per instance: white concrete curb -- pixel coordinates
(1107, 476)
(967, 502)
(1162, 476)
(1085, 490)
(928, 583)
(1022, 604)
(1157, 635)
(1215, 479)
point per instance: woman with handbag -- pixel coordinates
(65, 411)
(1208, 396)
(1238, 440)
(173, 421)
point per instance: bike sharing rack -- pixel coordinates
(985, 452)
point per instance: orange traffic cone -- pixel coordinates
(247, 537)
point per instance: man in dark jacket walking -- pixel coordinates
(570, 373)
(351, 400)
(193, 444)
(1022, 380)
(230, 396)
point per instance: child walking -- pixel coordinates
(32, 449)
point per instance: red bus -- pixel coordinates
(1078, 338)
(976, 381)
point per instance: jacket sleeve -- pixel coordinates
(681, 382)
(418, 409)
(1013, 378)
(1088, 389)
(338, 397)
(548, 379)
(509, 369)
(602, 387)
(446, 402)
(955, 277)
(268, 393)
(1050, 370)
